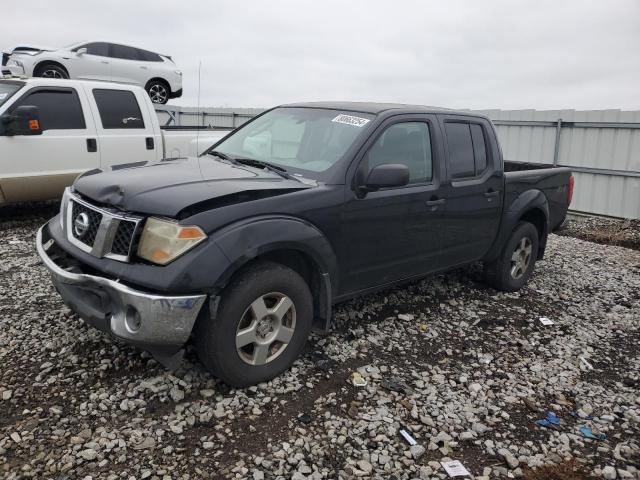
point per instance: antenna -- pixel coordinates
(198, 126)
(198, 129)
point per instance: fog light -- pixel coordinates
(132, 319)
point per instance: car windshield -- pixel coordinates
(297, 138)
(7, 90)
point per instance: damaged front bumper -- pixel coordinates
(158, 323)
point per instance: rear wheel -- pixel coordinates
(262, 324)
(513, 268)
(158, 91)
(51, 70)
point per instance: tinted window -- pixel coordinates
(118, 109)
(149, 56)
(59, 109)
(479, 148)
(100, 49)
(124, 52)
(408, 143)
(461, 163)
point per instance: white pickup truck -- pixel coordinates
(52, 130)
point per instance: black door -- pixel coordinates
(474, 189)
(393, 233)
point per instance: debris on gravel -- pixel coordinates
(604, 230)
(464, 369)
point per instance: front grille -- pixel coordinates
(85, 223)
(123, 240)
(102, 232)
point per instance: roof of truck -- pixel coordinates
(66, 82)
(377, 108)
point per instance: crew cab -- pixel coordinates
(52, 130)
(247, 247)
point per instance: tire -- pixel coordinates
(51, 70)
(232, 346)
(158, 91)
(513, 268)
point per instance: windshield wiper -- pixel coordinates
(269, 166)
(221, 155)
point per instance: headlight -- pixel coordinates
(163, 241)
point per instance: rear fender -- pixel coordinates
(526, 202)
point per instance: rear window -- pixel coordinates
(7, 90)
(118, 109)
(467, 149)
(59, 109)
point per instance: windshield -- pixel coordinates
(8, 89)
(307, 139)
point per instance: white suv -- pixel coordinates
(100, 61)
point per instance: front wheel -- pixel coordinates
(51, 70)
(158, 92)
(262, 324)
(513, 268)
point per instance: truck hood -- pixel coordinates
(181, 187)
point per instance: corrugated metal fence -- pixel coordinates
(601, 146)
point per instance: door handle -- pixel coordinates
(491, 193)
(92, 145)
(104, 61)
(434, 202)
(150, 143)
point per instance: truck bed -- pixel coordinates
(551, 180)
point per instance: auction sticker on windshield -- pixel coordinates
(351, 120)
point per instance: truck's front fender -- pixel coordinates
(250, 238)
(281, 234)
(515, 209)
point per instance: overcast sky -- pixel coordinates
(582, 54)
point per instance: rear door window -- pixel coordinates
(59, 108)
(118, 109)
(467, 149)
(124, 52)
(148, 56)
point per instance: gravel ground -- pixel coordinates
(465, 369)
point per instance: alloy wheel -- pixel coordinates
(52, 73)
(521, 257)
(158, 93)
(266, 328)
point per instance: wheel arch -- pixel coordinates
(530, 206)
(42, 63)
(291, 242)
(158, 79)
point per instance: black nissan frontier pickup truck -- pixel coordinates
(246, 248)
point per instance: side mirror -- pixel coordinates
(24, 120)
(81, 51)
(387, 175)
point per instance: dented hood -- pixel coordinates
(33, 48)
(170, 187)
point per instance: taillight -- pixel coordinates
(570, 192)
